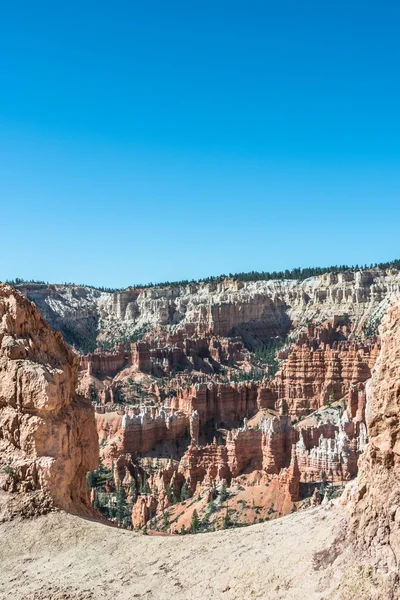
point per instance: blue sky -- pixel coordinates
(151, 141)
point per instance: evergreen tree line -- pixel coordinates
(296, 273)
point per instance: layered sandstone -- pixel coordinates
(104, 364)
(165, 357)
(172, 392)
(316, 374)
(376, 506)
(254, 310)
(241, 459)
(142, 431)
(226, 404)
(48, 439)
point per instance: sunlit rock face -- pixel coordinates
(376, 502)
(313, 376)
(48, 439)
(253, 310)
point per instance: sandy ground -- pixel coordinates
(60, 556)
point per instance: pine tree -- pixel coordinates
(227, 520)
(169, 493)
(165, 521)
(223, 493)
(195, 522)
(185, 492)
(121, 506)
(133, 491)
(96, 502)
(145, 488)
(91, 480)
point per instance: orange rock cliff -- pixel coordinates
(48, 440)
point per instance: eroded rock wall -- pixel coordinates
(254, 310)
(311, 377)
(48, 440)
(375, 521)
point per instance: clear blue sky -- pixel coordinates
(158, 140)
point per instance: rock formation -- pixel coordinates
(224, 403)
(220, 431)
(375, 521)
(104, 363)
(48, 440)
(254, 310)
(257, 386)
(318, 371)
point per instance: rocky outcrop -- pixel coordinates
(108, 424)
(48, 440)
(183, 383)
(264, 453)
(256, 311)
(165, 357)
(71, 309)
(159, 484)
(375, 523)
(253, 423)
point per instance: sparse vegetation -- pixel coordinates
(371, 328)
(227, 520)
(266, 355)
(110, 502)
(239, 376)
(122, 512)
(100, 477)
(124, 338)
(8, 470)
(185, 492)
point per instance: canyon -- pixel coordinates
(311, 433)
(230, 402)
